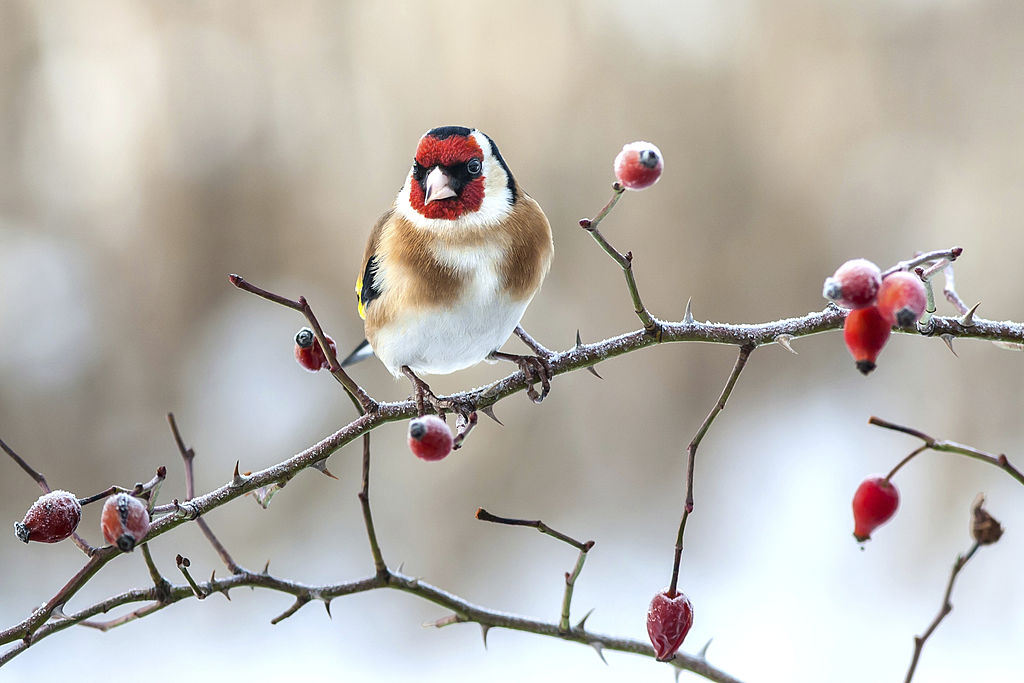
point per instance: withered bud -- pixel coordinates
(985, 529)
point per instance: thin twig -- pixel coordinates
(161, 584)
(950, 290)
(999, 461)
(951, 254)
(945, 609)
(691, 453)
(303, 307)
(625, 261)
(364, 503)
(183, 564)
(187, 456)
(485, 516)
(570, 577)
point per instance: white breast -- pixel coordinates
(455, 337)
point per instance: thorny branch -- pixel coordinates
(50, 618)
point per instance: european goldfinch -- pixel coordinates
(450, 268)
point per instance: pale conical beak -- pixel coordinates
(437, 186)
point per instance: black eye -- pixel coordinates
(417, 170)
(473, 166)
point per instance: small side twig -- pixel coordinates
(625, 261)
(930, 442)
(183, 564)
(946, 608)
(691, 453)
(162, 585)
(570, 577)
(302, 306)
(187, 456)
(951, 254)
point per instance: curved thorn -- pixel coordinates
(489, 412)
(579, 342)
(967, 319)
(599, 649)
(948, 338)
(688, 315)
(321, 466)
(784, 340)
(327, 606)
(484, 629)
(593, 371)
(703, 654)
(582, 623)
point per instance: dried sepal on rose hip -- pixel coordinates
(874, 504)
(902, 298)
(854, 285)
(669, 619)
(124, 521)
(430, 438)
(985, 528)
(638, 165)
(53, 517)
(866, 331)
(308, 352)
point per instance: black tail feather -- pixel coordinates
(361, 352)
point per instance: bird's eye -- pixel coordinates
(473, 166)
(417, 170)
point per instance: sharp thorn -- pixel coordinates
(579, 342)
(321, 466)
(327, 606)
(948, 338)
(593, 371)
(489, 412)
(784, 340)
(703, 654)
(967, 319)
(676, 671)
(266, 568)
(688, 315)
(599, 649)
(582, 623)
(484, 629)
(401, 565)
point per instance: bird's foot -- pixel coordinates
(423, 395)
(536, 368)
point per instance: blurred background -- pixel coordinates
(149, 149)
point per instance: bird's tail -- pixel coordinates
(361, 352)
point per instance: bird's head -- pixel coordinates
(457, 174)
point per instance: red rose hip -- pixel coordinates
(866, 331)
(874, 503)
(854, 285)
(429, 437)
(53, 517)
(638, 165)
(668, 621)
(124, 521)
(902, 298)
(308, 352)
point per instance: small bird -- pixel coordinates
(450, 268)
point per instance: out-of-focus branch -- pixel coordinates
(999, 461)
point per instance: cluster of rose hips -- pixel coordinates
(878, 304)
(55, 516)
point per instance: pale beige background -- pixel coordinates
(148, 149)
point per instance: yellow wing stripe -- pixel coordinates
(359, 298)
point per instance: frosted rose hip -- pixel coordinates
(866, 332)
(854, 285)
(902, 298)
(429, 437)
(638, 165)
(668, 621)
(124, 521)
(53, 517)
